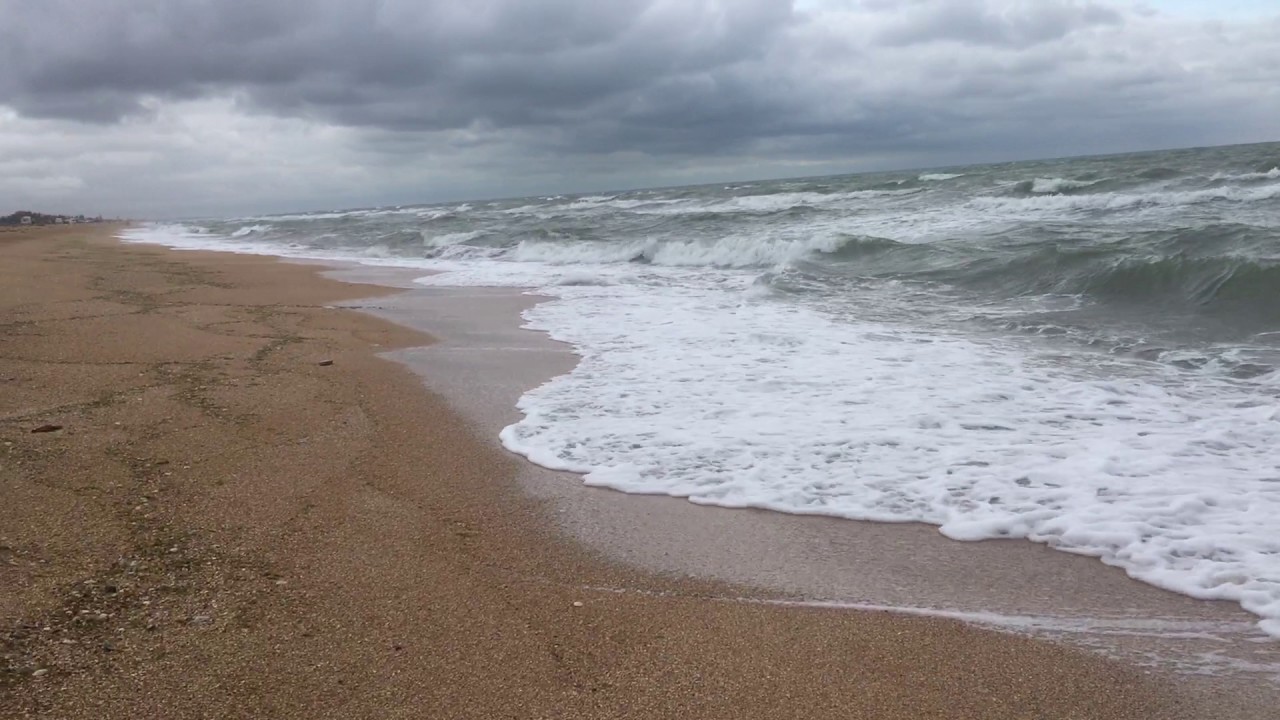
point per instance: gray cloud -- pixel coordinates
(387, 63)
(513, 95)
(983, 23)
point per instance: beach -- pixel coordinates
(221, 500)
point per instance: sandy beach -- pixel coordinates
(220, 501)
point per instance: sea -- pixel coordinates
(1079, 352)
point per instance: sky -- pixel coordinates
(190, 108)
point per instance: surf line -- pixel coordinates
(1144, 626)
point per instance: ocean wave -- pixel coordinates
(856, 246)
(1053, 186)
(1250, 288)
(557, 205)
(455, 238)
(1272, 174)
(742, 251)
(1213, 268)
(872, 255)
(772, 203)
(1197, 281)
(585, 253)
(191, 236)
(401, 238)
(251, 229)
(1058, 202)
(161, 232)
(939, 177)
(296, 217)
(748, 205)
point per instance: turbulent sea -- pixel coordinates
(1079, 352)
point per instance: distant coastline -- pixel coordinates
(26, 217)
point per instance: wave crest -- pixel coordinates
(250, 230)
(1053, 186)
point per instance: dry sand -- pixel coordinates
(226, 527)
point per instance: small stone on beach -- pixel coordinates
(47, 429)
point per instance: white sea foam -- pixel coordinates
(299, 216)
(939, 177)
(1057, 185)
(178, 235)
(699, 392)
(1124, 200)
(195, 237)
(1272, 174)
(776, 202)
(582, 278)
(734, 251)
(380, 252)
(455, 238)
(763, 203)
(250, 229)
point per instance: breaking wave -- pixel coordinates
(1213, 267)
(1053, 186)
(250, 229)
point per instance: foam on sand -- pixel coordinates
(703, 394)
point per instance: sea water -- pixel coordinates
(1078, 352)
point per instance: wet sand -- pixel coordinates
(245, 511)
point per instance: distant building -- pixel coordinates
(57, 221)
(26, 220)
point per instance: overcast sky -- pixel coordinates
(164, 108)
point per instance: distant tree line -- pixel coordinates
(26, 217)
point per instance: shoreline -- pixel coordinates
(345, 545)
(811, 561)
(1011, 585)
(1180, 615)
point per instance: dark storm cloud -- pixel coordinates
(393, 63)
(507, 96)
(661, 76)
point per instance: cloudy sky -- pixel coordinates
(169, 108)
